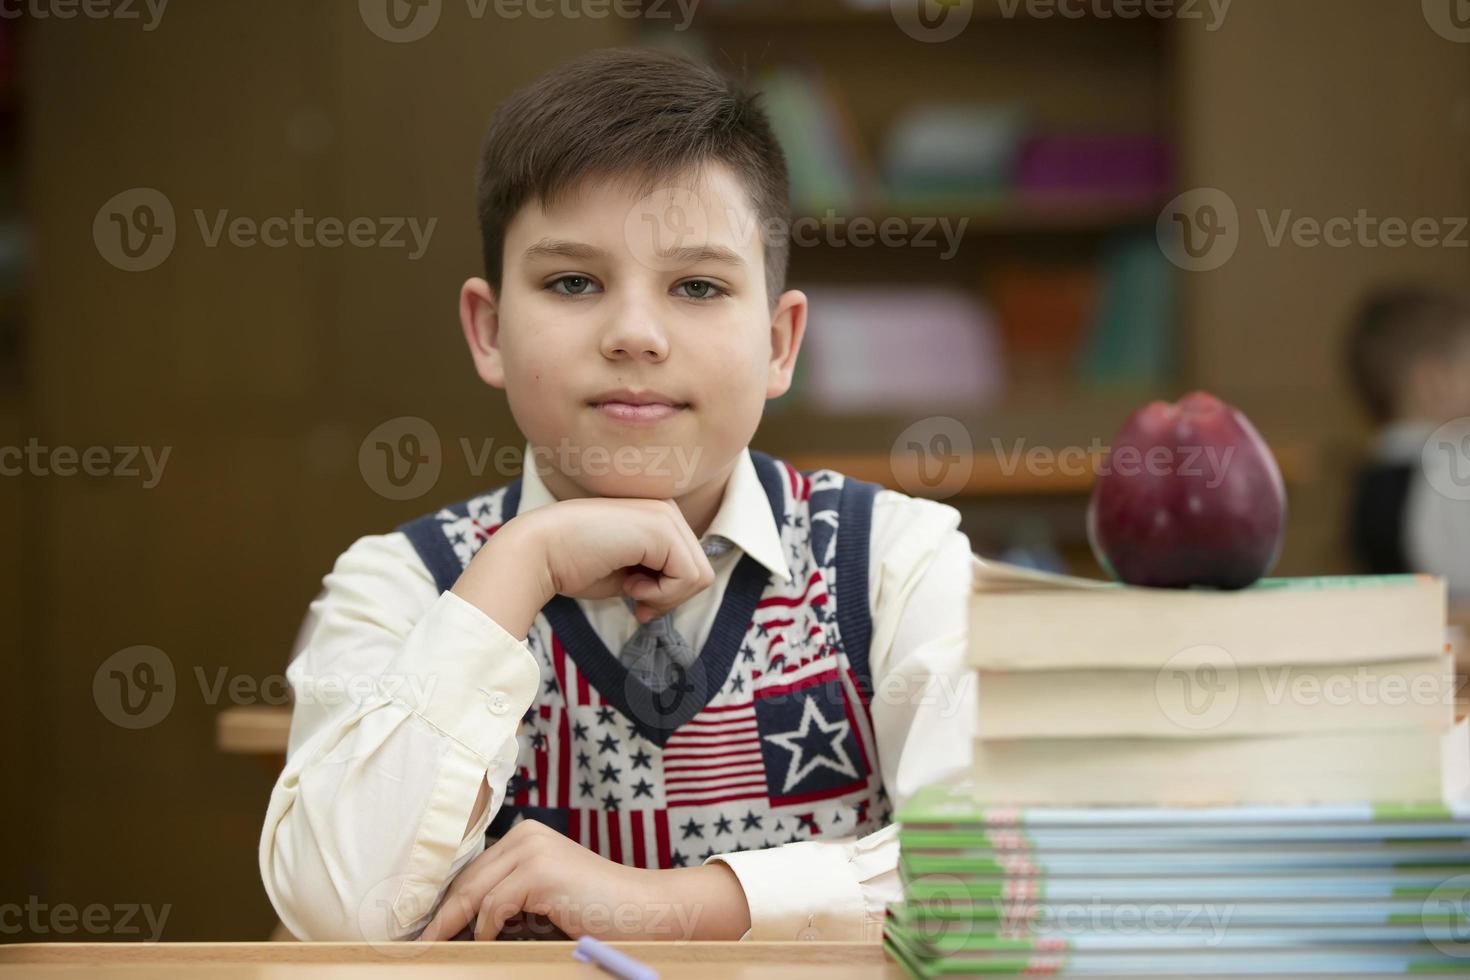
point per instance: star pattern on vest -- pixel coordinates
(813, 749)
(520, 782)
(722, 826)
(642, 788)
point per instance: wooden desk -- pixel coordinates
(440, 961)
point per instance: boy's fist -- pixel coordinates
(599, 547)
(587, 548)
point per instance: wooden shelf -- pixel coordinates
(831, 13)
(1010, 214)
(990, 476)
(253, 730)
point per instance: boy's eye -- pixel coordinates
(576, 285)
(701, 289)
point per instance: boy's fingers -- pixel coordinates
(505, 900)
(691, 565)
(463, 901)
(666, 554)
(451, 917)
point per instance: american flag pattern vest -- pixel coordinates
(767, 738)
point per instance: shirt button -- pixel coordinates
(809, 933)
(499, 703)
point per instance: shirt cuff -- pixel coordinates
(828, 906)
(464, 674)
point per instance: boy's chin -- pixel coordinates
(650, 487)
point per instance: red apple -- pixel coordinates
(1188, 495)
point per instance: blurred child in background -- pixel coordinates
(1409, 358)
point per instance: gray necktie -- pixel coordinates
(657, 653)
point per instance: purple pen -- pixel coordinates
(589, 950)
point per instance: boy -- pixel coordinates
(633, 207)
(1409, 357)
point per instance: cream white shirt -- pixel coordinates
(406, 699)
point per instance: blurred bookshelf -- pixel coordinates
(990, 475)
(827, 13)
(1020, 167)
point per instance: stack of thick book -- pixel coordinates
(1320, 690)
(1194, 782)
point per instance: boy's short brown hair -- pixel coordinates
(1394, 328)
(629, 113)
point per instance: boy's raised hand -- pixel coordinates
(589, 548)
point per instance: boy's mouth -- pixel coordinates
(627, 405)
(626, 412)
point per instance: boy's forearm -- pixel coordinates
(507, 579)
(715, 906)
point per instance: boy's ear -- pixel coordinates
(479, 317)
(788, 326)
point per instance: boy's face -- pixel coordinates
(1437, 386)
(662, 295)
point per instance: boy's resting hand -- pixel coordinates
(535, 869)
(587, 548)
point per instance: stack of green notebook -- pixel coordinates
(1334, 889)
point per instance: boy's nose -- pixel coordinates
(634, 333)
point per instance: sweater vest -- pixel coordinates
(765, 739)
